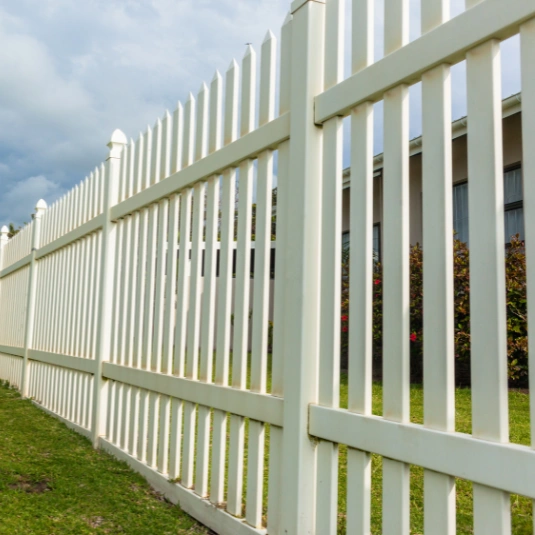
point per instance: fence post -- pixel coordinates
(105, 302)
(30, 302)
(4, 238)
(302, 256)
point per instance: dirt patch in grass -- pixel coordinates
(29, 486)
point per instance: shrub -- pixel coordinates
(517, 341)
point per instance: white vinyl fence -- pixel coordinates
(110, 298)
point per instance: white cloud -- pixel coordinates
(18, 202)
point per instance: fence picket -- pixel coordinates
(241, 306)
(492, 512)
(228, 185)
(396, 326)
(527, 41)
(277, 375)
(193, 325)
(331, 238)
(439, 372)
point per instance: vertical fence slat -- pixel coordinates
(360, 312)
(132, 289)
(396, 359)
(175, 446)
(164, 428)
(277, 375)
(156, 156)
(138, 164)
(140, 290)
(527, 35)
(183, 286)
(241, 299)
(177, 138)
(122, 355)
(188, 139)
(147, 159)
(330, 289)
(165, 166)
(211, 229)
(193, 327)
(152, 445)
(134, 422)
(171, 284)
(396, 326)
(118, 282)
(160, 285)
(225, 287)
(260, 318)
(148, 327)
(439, 364)
(492, 512)
(209, 289)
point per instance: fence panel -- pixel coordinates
(11, 369)
(14, 290)
(132, 309)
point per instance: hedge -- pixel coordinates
(517, 335)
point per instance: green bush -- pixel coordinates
(517, 350)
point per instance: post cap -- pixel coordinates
(4, 231)
(117, 142)
(41, 206)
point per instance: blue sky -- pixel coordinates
(74, 71)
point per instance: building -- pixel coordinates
(513, 197)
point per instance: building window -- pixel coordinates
(514, 206)
(460, 211)
(376, 241)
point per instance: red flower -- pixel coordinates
(413, 337)
(376, 282)
(345, 329)
(344, 318)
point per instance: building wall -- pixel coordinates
(512, 155)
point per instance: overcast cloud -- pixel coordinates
(72, 72)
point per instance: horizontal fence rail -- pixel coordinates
(137, 308)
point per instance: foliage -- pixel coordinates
(253, 218)
(517, 340)
(13, 230)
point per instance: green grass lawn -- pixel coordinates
(53, 482)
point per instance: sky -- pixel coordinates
(72, 72)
